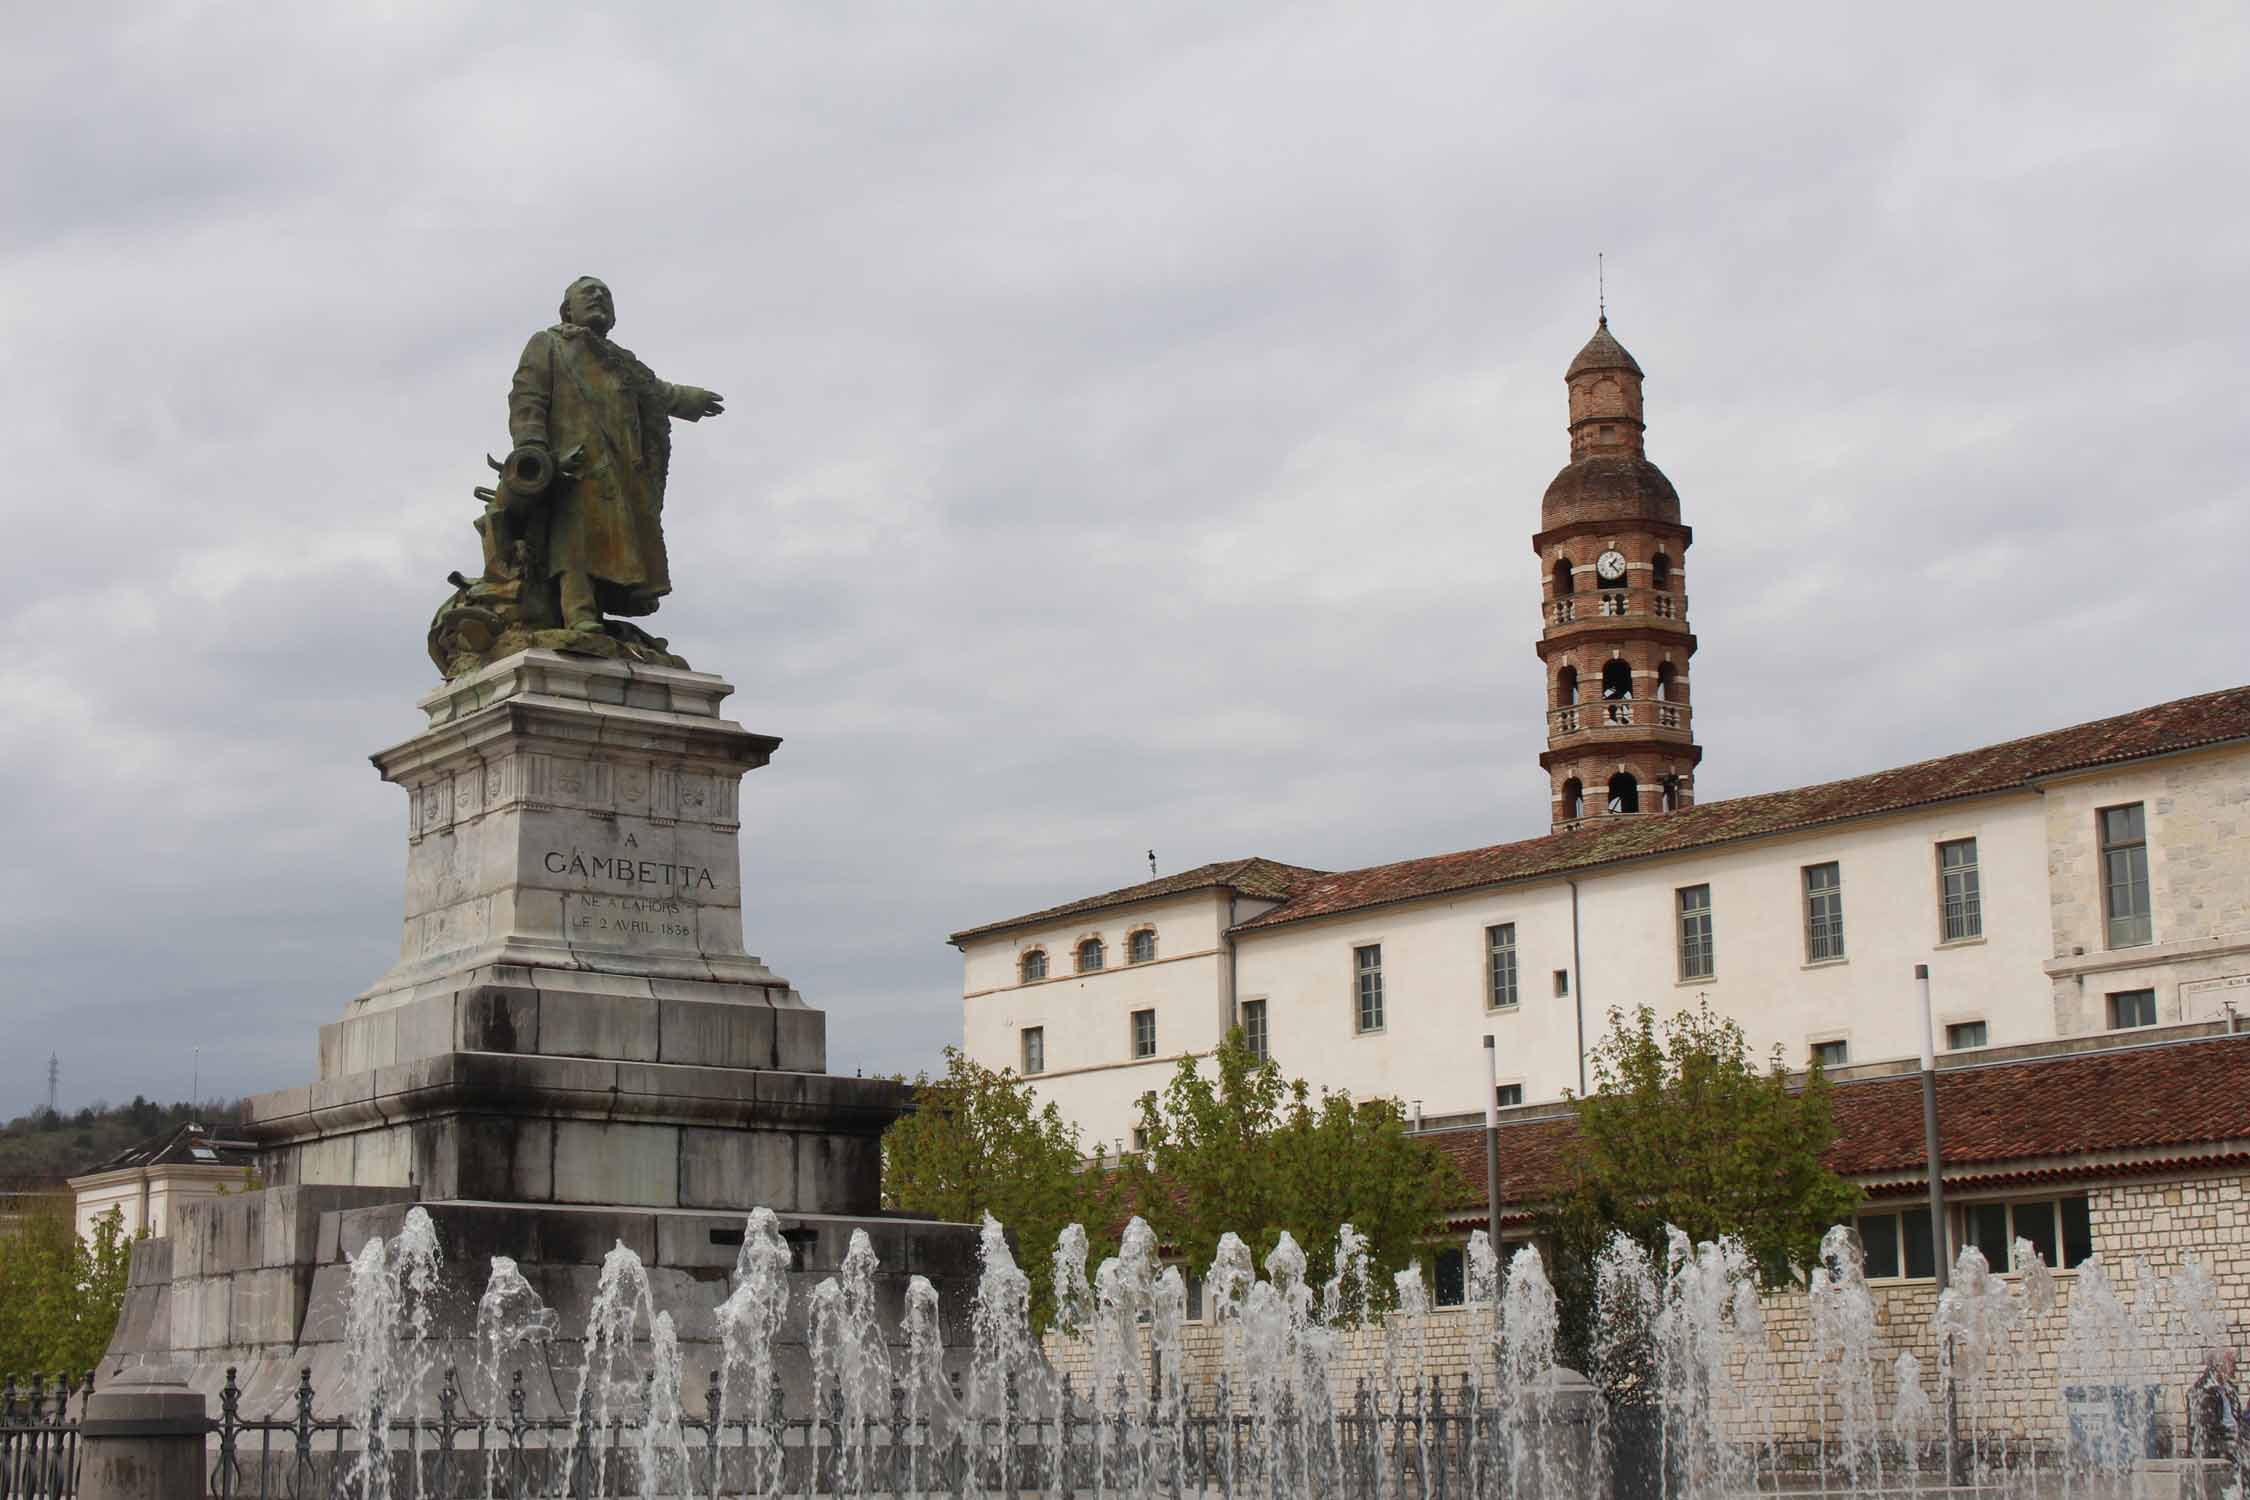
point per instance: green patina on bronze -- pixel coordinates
(573, 529)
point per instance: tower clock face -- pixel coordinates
(1610, 566)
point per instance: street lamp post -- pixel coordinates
(1937, 1208)
(1492, 1143)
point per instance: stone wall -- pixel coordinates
(2144, 1232)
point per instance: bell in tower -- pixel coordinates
(1615, 642)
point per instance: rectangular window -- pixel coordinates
(1960, 897)
(2036, 1222)
(1962, 1035)
(1562, 984)
(1254, 1033)
(2058, 1230)
(1500, 965)
(1920, 1256)
(1831, 1054)
(1367, 970)
(1824, 913)
(2125, 875)
(1034, 1049)
(1897, 1244)
(1508, 1094)
(2132, 1008)
(1144, 1033)
(2077, 1231)
(1140, 1137)
(1450, 1277)
(1695, 932)
(1985, 1225)
(1878, 1243)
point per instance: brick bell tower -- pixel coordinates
(1612, 554)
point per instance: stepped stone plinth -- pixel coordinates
(573, 1050)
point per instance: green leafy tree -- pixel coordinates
(979, 1142)
(59, 1295)
(1684, 1128)
(1237, 1148)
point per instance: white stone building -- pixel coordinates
(2088, 881)
(148, 1183)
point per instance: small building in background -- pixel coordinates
(148, 1182)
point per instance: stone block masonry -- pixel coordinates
(574, 1051)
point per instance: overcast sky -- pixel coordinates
(1137, 421)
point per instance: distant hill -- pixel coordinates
(42, 1149)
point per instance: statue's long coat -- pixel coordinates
(574, 388)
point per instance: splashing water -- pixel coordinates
(1526, 1394)
(1689, 1374)
(512, 1322)
(1843, 1317)
(1000, 1326)
(611, 1378)
(1074, 1296)
(748, 1321)
(387, 1334)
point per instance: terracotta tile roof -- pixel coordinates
(2185, 723)
(2124, 1109)
(1259, 879)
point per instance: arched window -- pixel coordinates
(1624, 793)
(1566, 687)
(1671, 794)
(1617, 680)
(1090, 955)
(1573, 799)
(1660, 572)
(1667, 684)
(1140, 948)
(1034, 965)
(1564, 578)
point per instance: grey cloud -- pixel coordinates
(1137, 422)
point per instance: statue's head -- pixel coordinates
(587, 303)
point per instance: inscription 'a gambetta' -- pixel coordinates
(625, 870)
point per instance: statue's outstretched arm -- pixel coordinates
(691, 401)
(532, 391)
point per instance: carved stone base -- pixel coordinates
(572, 817)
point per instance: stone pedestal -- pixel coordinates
(574, 1047)
(571, 827)
(143, 1441)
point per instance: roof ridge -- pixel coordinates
(1598, 842)
(1205, 876)
(1996, 745)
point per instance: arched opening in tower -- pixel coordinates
(1660, 573)
(1573, 800)
(1563, 576)
(1667, 684)
(1617, 680)
(1671, 794)
(1566, 687)
(1624, 793)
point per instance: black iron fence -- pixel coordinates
(1425, 1444)
(39, 1437)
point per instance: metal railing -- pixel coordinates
(39, 1437)
(1423, 1443)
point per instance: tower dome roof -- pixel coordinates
(1609, 487)
(1602, 352)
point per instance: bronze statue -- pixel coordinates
(573, 531)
